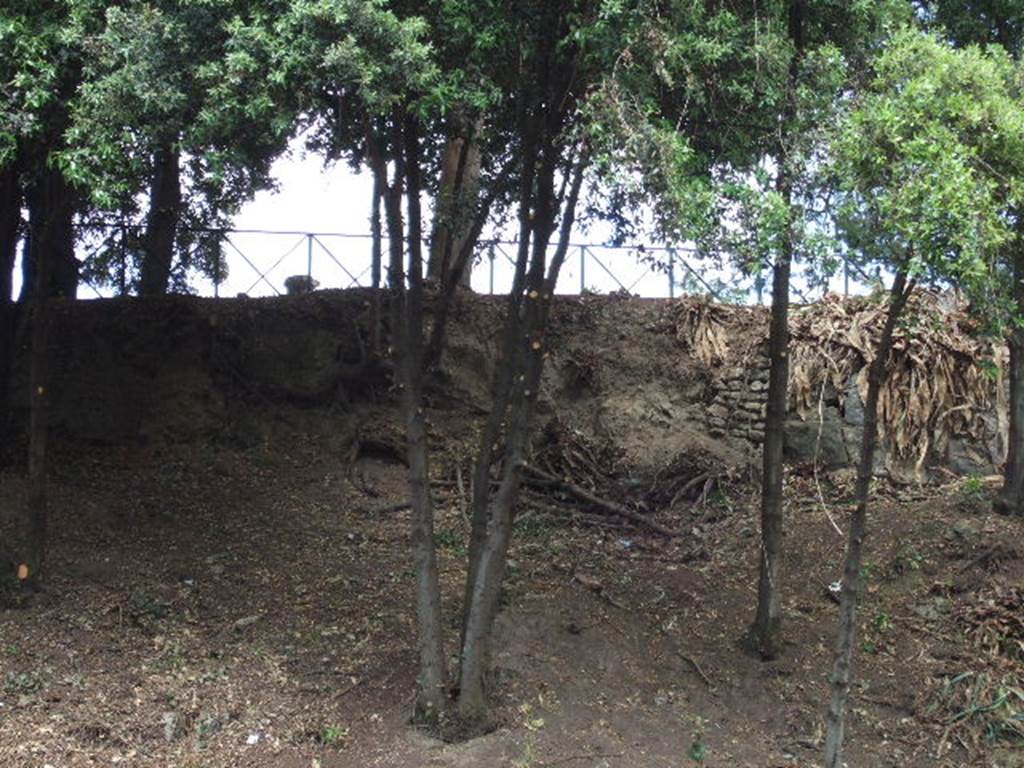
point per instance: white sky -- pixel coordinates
(334, 202)
(314, 199)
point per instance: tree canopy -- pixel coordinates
(930, 160)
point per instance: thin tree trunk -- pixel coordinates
(432, 698)
(51, 205)
(407, 340)
(462, 269)
(483, 596)
(766, 633)
(438, 329)
(459, 188)
(528, 353)
(30, 555)
(162, 221)
(840, 678)
(50, 261)
(1011, 497)
(765, 636)
(504, 374)
(10, 230)
(376, 263)
(453, 165)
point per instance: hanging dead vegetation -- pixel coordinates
(944, 380)
(719, 333)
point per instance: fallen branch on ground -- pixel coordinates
(387, 509)
(605, 504)
(689, 486)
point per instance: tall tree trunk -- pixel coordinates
(406, 306)
(51, 206)
(504, 375)
(1011, 497)
(10, 230)
(765, 635)
(457, 197)
(162, 221)
(840, 678)
(30, 552)
(376, 262)
(487, 562)
(461, 259)
(526, 354)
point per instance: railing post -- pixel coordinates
(309, 261)
(583, 269)
(216, 269)
(122, 268)
(846, 277)
(671, 273)
(490, 255)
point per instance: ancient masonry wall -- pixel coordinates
(740, 401)
(739, 404)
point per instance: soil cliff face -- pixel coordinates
(641, 376)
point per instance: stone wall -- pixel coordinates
(739, 402)
(831, 437)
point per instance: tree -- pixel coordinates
(539, 76)
(366, 80)
(917, 158)
(540, 94)
(41, 65)
(766, 632)
(176, 109)
(382, 96)
(999, 22)
(825, 45)
(768, 80)
(42, 61)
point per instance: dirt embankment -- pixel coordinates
(238, 370)
(653, 380)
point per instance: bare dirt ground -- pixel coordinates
(215, 606)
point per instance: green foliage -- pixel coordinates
(882, 622)
(869, 572)
(929, 159)
(983, 22)
(973, 486)
(698, 749)
(192, 75)
(328, 46)
(654, 119)
(38, 58)
(22, 683)
(452, 540)
(332, 735)
(708, 105)
(972, 496)
(906, 560)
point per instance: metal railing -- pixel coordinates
(256, 262)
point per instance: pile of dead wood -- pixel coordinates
(588, 479)
(984, 705)
(995, 623)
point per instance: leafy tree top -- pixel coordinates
(931, 156)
